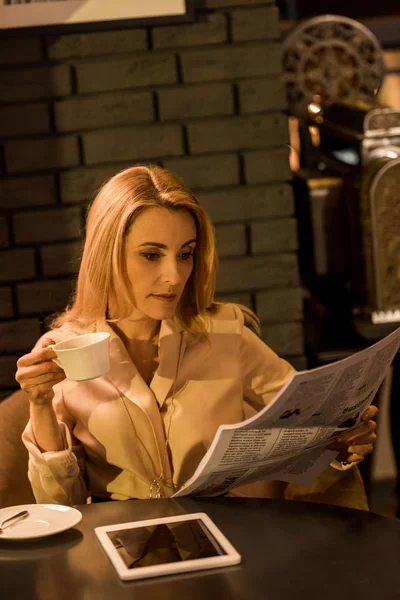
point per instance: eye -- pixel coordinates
(152, 256)
(186, 255)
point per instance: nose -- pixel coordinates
(171, 272)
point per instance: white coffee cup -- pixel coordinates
(83, 357)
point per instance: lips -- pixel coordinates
(165, 297)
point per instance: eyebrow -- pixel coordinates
(163, 246)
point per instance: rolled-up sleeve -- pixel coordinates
(264, 373)
(57, 477)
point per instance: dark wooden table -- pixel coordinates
(290, 550)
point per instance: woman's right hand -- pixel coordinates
(37, 373)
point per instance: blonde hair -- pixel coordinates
(102, 271)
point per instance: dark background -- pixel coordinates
(360, 9)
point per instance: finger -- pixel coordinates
(360, 450)
(46, 352)
(345, 457)
(351, 458)
(370, 430)
(370, 413)
(364, 430)
(46, 366)
(368, 439)
(355, 453)
(37, 370)
(38, 389)
(47, 341)
(47, 378)
(344, 442)
(354, 434)
(354, 448)
(36, 356)
(365, 439)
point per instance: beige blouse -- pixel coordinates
(116, 427)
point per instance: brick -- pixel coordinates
(43, 297)
(4, 236)
(17, 264)
(245, 202)
(8, 367)
(193, 101)
(24, 119)
(81, 185)
(132, 143)
(277, 235)
(148, 70)
(238, 133)
(45, 153)
(261, 95)
(103, 110)
(92, 44)
(230, 3)
(47, 225)
(257, 272)
(285, 339)
(61, 259)
(240, 298)
(14, 50)
(6, 303)
(210, 29)
(19, 335)
(35, 83)
(267, 166)
(206, 171)
(24, 192)
(277, 305)
(231, 62)
(255, 24)
(231, 240)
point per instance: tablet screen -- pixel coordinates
(163, 543)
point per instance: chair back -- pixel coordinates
(14, 483)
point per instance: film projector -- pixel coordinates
(347, 188)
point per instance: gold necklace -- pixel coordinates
(155, 485)
(161, 479)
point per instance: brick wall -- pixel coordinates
(205, 100)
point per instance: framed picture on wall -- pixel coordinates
(61, 16)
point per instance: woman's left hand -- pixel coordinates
(359, 442)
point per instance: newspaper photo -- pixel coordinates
(288, 439)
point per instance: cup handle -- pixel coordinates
(55, 360)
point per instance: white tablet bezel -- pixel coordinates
(232, 557)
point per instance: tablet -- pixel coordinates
(165, 546)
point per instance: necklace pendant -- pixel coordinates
(155, 489)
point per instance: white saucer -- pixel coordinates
(43, 520)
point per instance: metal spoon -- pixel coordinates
(13, 519)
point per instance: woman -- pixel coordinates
(181, 364)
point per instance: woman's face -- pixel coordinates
(159, 260)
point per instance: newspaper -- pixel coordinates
(288, 439)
